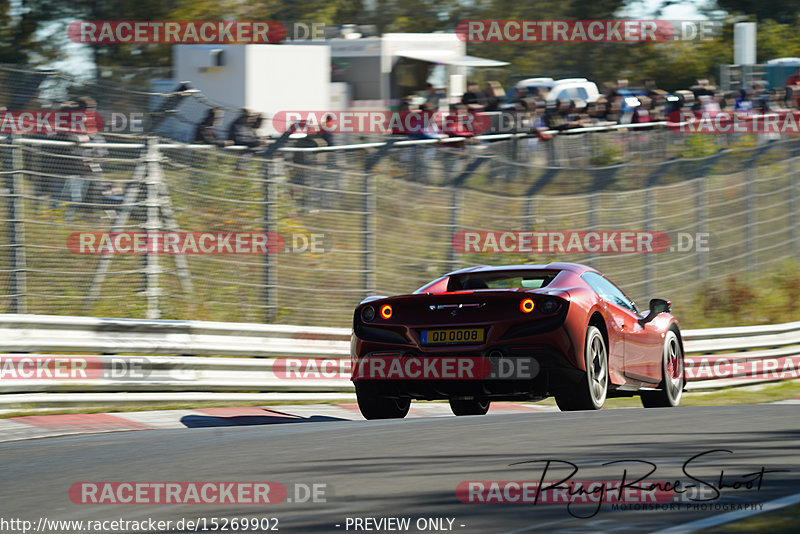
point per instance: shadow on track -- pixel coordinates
(269, 417)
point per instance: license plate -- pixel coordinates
(452, 336)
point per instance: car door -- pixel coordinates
(644, 345)
(641, 344)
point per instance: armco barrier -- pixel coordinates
(241, 357)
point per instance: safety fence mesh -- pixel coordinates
(357, 222)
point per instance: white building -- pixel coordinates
(263, 77)
(380, 71)
(316, 75)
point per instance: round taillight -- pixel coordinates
(526, 306)
(386, 311)
(367, 313)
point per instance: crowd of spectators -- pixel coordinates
(619, 103)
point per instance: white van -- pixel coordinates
(572, 88)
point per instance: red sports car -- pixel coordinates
(517, 332)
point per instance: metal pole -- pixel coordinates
(18, 280)
(455, 210)
(152, 226)
(649, 209)
(702, 259)
(793, 221)
(270, 267)
(368, 228)
(592, 223)
(750, 261)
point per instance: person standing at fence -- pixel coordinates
(792, 89)
(431, 98)
(98, 192)
(474, 99)
(66, 167)
(242, 132)
(206, 130)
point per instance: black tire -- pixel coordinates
(672, 376)
(592, 390)
(470, 407)
(375, 406)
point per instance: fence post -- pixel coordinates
(793, 218)
(702, 273)
(749, 225)
(152, 225)
(649, 210)
(368, 229)
(592, 223)
(270, 274)
(16, 217)
(456, 201)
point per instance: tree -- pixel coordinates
(783, 11)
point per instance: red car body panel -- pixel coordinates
(556, 340)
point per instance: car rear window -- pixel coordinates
(501, 280)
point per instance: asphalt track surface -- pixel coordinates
(410, 468)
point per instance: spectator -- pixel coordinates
(745, 100)
(74, 164)
(474, 99)
(406, 103)
(792, 97)
(613, 111)
(325, 132)
(431, 98)
(641, 114)
(98, 193)
(577, 112)
(776, 100)
(239, 125)
(206, 130)
(728, 101)
(519, 99)
(596, 113)
(702, 88)
(557, 117)
(243, 130)
(537, 119)
(494, 92)
(658, 106)
(708, 104)
(760, 96)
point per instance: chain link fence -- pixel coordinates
(358, 221)
(362, 219)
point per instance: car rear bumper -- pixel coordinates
(516, 373)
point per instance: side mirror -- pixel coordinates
(656, 306)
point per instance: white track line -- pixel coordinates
(700, 524)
